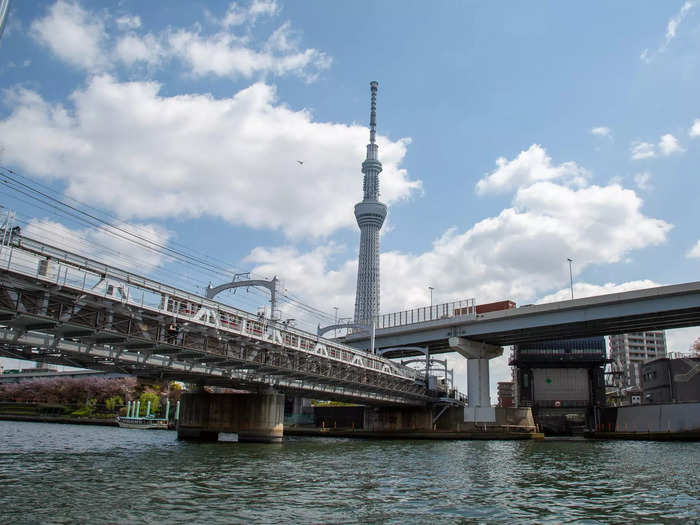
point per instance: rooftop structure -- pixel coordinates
(370, 215)
(671, 380)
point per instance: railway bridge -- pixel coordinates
(62, 308)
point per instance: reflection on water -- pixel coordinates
(68, 474)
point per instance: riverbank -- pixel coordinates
(60, 419)
(305, 431)
(423, 435)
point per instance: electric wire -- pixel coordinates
(56, 207)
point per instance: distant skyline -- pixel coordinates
(512, 138)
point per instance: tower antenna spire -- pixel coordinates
(373, 110)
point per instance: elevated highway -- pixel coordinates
(659, 308)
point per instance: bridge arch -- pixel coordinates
(212, 291)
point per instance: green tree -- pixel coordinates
(153, 398)
(113, 402)
(87, 409)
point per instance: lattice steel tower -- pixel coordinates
(370, 215)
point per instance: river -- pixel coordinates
(51, 473)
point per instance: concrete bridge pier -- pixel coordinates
(478, 388)
(253, 417)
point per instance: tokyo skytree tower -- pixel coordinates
(370, 215)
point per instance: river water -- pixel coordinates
(80, 474)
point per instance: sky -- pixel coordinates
(512, 138)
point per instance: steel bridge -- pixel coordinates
(62, 308)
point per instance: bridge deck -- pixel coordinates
(659, 308)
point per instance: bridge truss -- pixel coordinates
(62, 308)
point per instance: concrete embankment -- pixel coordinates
(409, 434)
(659, 422)
(691, 435)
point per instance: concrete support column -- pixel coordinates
(254, 417)
(478, 386)
(298, 406)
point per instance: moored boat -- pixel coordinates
(133, 419)
(142, 422)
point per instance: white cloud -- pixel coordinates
(224, 54)
(643, 181)
(695, 250)
(602, 131)
(669, 145)
(528, 167)
(128, 22)
(695, 129)
(125, 147)
(72, 34)
(237, 15)
(518, 254)
(79, 37)
(642, 150)
(671, 31)
(675, 21)
(101, 243)
(131, 49)
(582, 290)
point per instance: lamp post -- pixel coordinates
(571, 277)
(335, 332)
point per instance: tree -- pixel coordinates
(113, 402)
(145, 398)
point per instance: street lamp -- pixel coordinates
(431, 295)
(571, 277)
(335, 332)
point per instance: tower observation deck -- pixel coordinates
(370, 215)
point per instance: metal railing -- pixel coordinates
(464, 309)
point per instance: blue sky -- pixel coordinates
(512, 138)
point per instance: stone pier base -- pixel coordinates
(392, 419)
(253, 417)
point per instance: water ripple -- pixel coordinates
(68, 474)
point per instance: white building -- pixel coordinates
(629, 351)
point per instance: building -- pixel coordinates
(561, 380)
(370, 215)
(629, 351)
(671, 380)
(506, 394)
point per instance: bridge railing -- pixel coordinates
(64, 269)
(464, 309)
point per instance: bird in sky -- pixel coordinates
(301, 162)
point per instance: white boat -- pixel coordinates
(142, 422)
